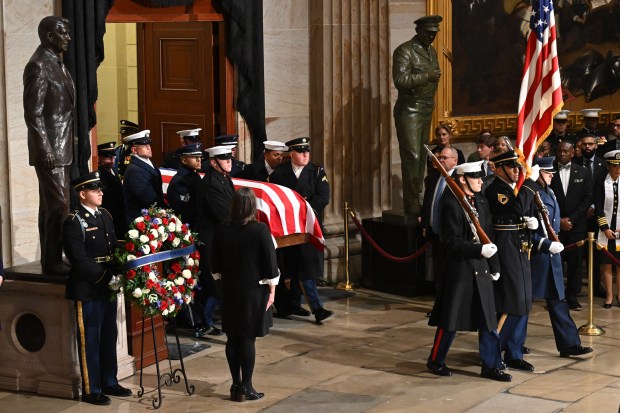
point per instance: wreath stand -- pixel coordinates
(168, 378)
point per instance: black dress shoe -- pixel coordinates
(573, 304)
(519, 365)
(213, 331)
(237, 393)
(495, 374)
(117, 390)
(525, 350)
(438, 369)
(98, 399)
(575, 351)
(607, 306)
(302, 312)
(200, 331)
(252, 394)
(321, 314)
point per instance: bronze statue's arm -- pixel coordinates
(404, 72)
(35, 89)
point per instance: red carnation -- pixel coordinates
(176, 267)
(184, 228)
(182, 288)
(146, 268)
(165, 221)
(163, 305)
(190, 281)
(141, 226)
(131, 274)
(155, 226)
(171, 277)
(129, 246)
(151, 236)
(147, 218)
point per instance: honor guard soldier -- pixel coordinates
(559, 134)
(113, 199)
(172, 160)
(465, 303)
(142, 183)
(547, 274)
(513, 218)
(302, 263)
(215, 195)
(613, 139)
(123, 151)
(260, 171)
(590, 126)
(88, 240)
(231, 141)
(183, 188)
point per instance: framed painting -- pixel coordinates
(481, 48)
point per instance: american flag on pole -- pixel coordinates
(540, 97)
(283, 210)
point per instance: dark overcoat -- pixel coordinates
(244, 255)
(85, 237)
(183, 194)
(256, 171)
(468, 285)
(113, 200)
(544, 264)
(513, 290)
(142, 188)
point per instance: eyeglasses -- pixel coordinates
(616, 125)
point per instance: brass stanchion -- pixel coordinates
(347, 286)
(590, 329)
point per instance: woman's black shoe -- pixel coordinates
(607, 306)
(237, 393)
(252, 394)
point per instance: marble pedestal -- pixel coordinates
(37, 335)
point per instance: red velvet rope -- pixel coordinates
(382, 251)
(574, 245)
(613, 259)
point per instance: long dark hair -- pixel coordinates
(243, 209)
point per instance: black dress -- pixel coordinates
(244, 255)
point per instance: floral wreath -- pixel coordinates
(158, 235)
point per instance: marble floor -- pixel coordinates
(370, 357)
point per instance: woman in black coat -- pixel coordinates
(244, 259)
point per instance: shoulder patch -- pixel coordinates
(502, 199)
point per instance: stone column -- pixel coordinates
(350, 113)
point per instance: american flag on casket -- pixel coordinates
(285, 212)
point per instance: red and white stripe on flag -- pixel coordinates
(283, 210)
(540, 97)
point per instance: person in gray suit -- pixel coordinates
(49, 95)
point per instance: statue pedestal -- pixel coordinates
(400, 240)
(398, 217)
(37, 335)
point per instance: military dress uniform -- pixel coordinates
(513, 291)
(113, 199)
(231, 141)
(547, 274)
(183, 188)
(414, 108)
(88, 240)
(302, 263)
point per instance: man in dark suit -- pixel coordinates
(434, 186)
(547, 277)
(113, 199)
(142, 183)
(49, 96)
(231, 142)
(88, 239)
(302, 263)
(572, 185)
(260, 171)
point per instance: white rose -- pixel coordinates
(179, 281)
(137, 293)
(165, 312)
(154, 232)
(139, 219)
(171, 227)
(190, 262)
(186, 237)
(145, 249)
(187, 299)
(131, 257)
(144, 239)
(152, 276)
(176, 242)
(161, 229)
(186, 273)
(133, 233)
(146, 290)
(153, 244)
(172, 307)
(196, 262)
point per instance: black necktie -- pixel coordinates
(589, 163)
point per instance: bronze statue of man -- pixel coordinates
(415, 72)
(49, 95)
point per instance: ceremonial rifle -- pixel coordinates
(470, 212)
(544, 216)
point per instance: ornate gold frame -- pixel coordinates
(469, 127)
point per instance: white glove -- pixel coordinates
(495, 276)
(535, 172)
(488, 250)
(556, 247)
(531, 222)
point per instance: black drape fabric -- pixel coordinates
(163, 3)
(244, 44)
(82, 60)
